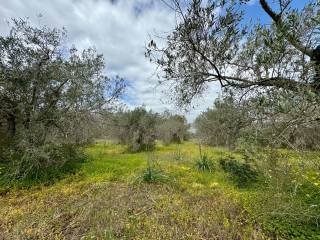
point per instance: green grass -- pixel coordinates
(102, 200)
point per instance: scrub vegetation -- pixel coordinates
(76, 163)
(115, 194)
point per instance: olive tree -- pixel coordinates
(172, 128)
(135, 128)
(284, 118)
(210, 43)
(47, 89)
(222, 124)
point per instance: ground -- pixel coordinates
(107, 198)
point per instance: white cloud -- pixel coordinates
(119, 29)
(252, 2)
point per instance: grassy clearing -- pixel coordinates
(104, 201)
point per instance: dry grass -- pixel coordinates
(119, 211)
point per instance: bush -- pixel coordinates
(152, 175)
(242, 173)
(43, 163)
(205, 163)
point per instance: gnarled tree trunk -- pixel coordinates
(11, 126)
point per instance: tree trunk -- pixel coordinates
(316, 59)
(11, 127)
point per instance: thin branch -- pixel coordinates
(277, 18)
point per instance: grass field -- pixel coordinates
(109, 198)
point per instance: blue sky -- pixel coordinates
(120, 30)
(255, 11)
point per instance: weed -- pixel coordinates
(178, 156)
(242, 173)
(153, 173)
(101, 204)
(205, 163)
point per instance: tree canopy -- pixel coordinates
(211, 43)
(49, 94)
(46, 86)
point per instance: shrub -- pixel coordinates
(152, 175)
(44, 163)
(205, 163)
(242, 173)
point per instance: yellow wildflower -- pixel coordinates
(213, 184)
(197, 185)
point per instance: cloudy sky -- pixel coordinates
(120, 29)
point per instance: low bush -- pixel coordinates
(242, 173)
(44, 163)
(204, 163)
(152, 175)
(153, 172)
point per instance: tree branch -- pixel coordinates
(278, 82)
(279, 23)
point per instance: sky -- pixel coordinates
(120, 30)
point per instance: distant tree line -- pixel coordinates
(281, 121)
(140, 128)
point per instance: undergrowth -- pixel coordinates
(153, 173)
(283, 202)
(205, 163)
(45, 166)
(242, 173)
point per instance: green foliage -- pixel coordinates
(49, 99)
(136, 128)
(104, 191)
(178, 155)
(222, 124)
(242, 173)
(46, 93)
(43, 164)
(205, 163)
(282, 228)
(289, 202)
(152, 175)
(172, 128)
(139, 128)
